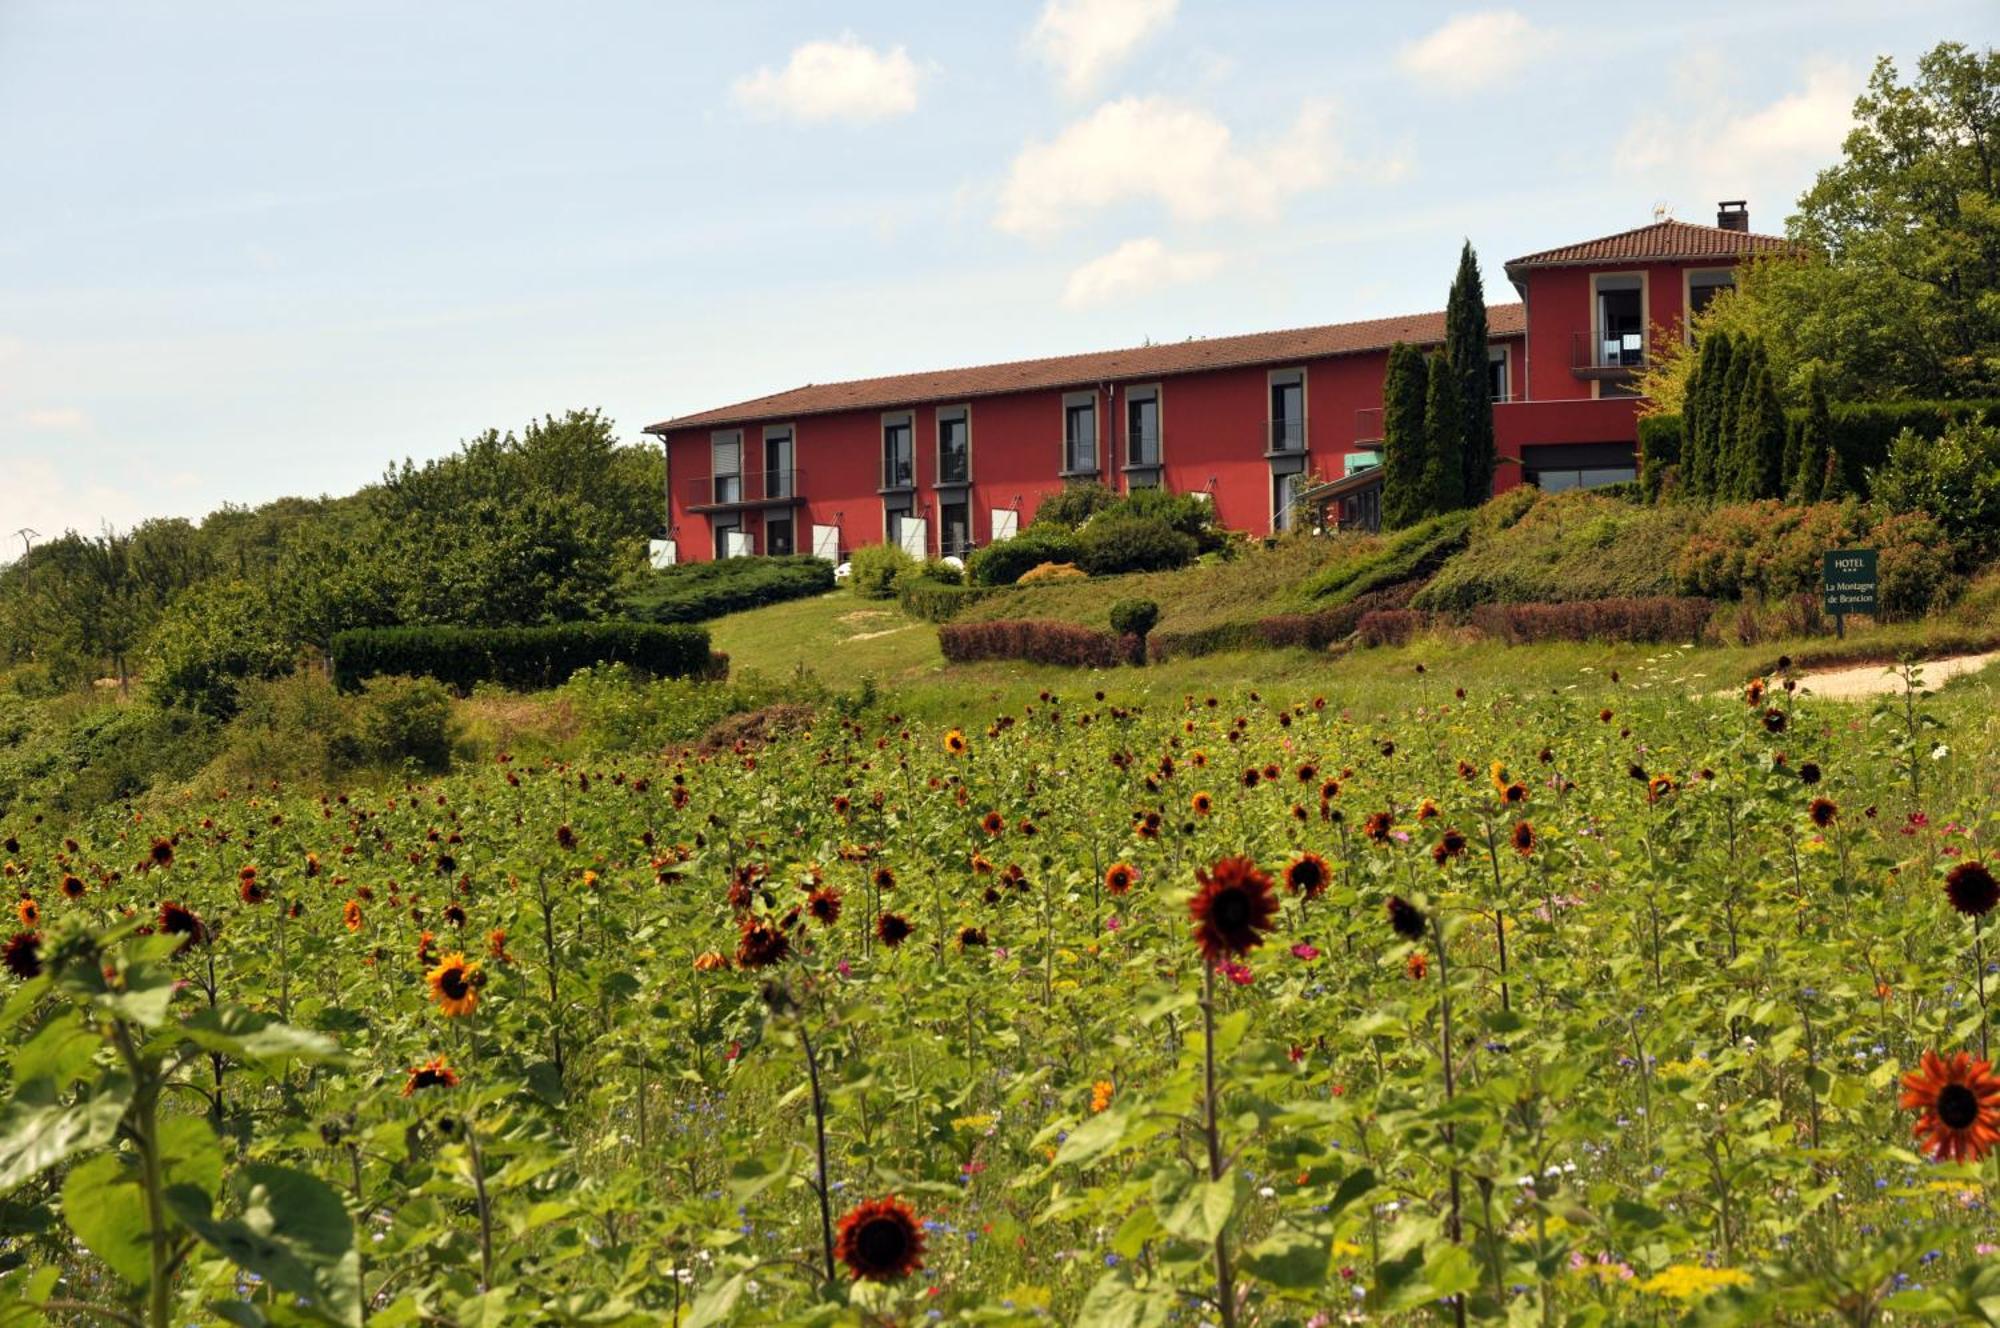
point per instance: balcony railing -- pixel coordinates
(899, 472)
(1615, 355)
(756, 488)
(1368, 424)
(1143, 451)
(1079, 457)
(1284, 436)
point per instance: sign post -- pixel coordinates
(1847, 578)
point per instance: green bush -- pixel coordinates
(932, 601)
(1862, 431)
(697, 592)
(1134, 617)
(872, 571)
(213, 637)
(1659, 452)
(1115, 542)
(520, 657)
(1191, 514)
(408, 720)
(297, 727)
(1954, 477)
(931, 571)
(1072, 505)
(619, 710)
(1002, 562)
(1774, 550)
(1579, 545)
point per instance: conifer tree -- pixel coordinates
(1722, 475)
(1444, 438)
(1760, 432)
(1815, 442)
(1697, 413)
(1404, 451)
(1465, 345)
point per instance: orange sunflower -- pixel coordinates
(1120, 877)
(1958, 1106)
(433, 1073)
(455, 984)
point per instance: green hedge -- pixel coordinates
(933, 601)
(1862, 430)
(696, 592)
(521, 657)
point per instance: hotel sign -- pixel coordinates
(1848, 581)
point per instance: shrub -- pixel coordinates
(1773, 551)
(1914, 565)
(696, 592)
(1051, 572)
(1652, 619)
(1564, 546)
(1003, 562)
(1191, 514)
(935, 571)
(408, 720)
(1862, 432)
(1407, 555)
(1954, 477)
(1037, 642)
(1134, 617)
(873, 570)
(1119, 542)
(1072, 505)
(1201, 641)
(1390, 627)
(519, 657)
(926, 599)
(212, 637)
(296, 727)
(1317, 631)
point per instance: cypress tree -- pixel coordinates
(1728, 399)
(1815, 442)
(1833, 478)
(1697, 416)
(1404, 387)
(1444, 437)
(1465, 345)
(1760, 428)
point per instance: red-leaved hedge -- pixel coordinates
(1390, 627)
(1038, 642)
(1656, 619)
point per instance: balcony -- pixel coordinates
(1142, 451)
(898, 473)
(1615, 357)
(735, 493)
(1367, 426)
(1285, 437)
(1080, 460)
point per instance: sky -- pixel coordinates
(270, 247)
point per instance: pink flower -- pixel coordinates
(843, 968)
(1112, 923)
(1240, 974)
(1305, 952)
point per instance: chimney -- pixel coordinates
(1732, 214)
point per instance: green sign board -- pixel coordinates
(1848, 580)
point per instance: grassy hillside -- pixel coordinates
(1565, 546)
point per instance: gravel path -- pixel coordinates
(1866, 680)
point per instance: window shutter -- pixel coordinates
(728, 455)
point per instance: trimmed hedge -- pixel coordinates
(1654, 619)
(1391, 627)
(1037, 641)
(1002, 562)
(1408, 555)
(525, 658)
(696, 592)
(933, 601)
(1115, 542)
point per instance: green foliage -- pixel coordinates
(873, 568)
(1072, 505)
(1191, 514)
(1577, 545)
(934, 601)
(1002, 562)
(1661, 452)
(1114, 541)
(1134, 617)
(697, 592)
(1444, 437)
(1405, 386)
(1773, 550)
(1411, 554)
(214, 636)
(518, 657)
(408, 720)
(1466, 348)
(1954, 478)
(1760, 433)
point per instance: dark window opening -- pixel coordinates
(954, 529)
(778, 536)
(954, 449)
(1288, 414)
(1142, 430)
(898, 455)
(1080, 438)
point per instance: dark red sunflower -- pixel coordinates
(1308, 875)
(176, 920)
(1407, 919)
(1523, 836)
(1958, 1106)
(162, 853)
(1377, 826)
(1774, 720)
(1450, 845)
(433, 1073)
(1232, 910)
(993, 823)
(884, 877)
(761, 945)
(23, 954)
(969, 937)
(565, 836)
(824, 906)
(880, 1241)
(892, 929)
(72, 887)
(1823, 812)
(1972, 889)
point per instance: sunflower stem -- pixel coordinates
(1453, 1227)
(819, 1149)
(1979, 978)
(1225, 1287)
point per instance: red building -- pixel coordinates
(946, 461)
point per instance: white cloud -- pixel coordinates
(842, 79)
(1085, 39)
(1704, 145)
(1136, 265)
(1158, 149)
(65, 419)
(1475, 51)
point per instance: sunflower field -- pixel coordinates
(1593, 1001)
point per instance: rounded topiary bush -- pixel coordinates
(1051, 572)
(1134, 617)
(1116, 542)
(1003, 562)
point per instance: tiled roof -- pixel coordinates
(1661, 241)
(1138, 362)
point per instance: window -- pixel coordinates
(778, 461)
(954, 446)
(1497, 381)
(895, 512)
(725, 455)
(955, 528)
(778, 536)
(1705, 285)
(1080, 434)
(899, 466)
(1621, 323)
(1288, 411)
(1142, 426)
(1554, 467)
(728, 538)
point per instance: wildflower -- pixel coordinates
(1809, 772)
(565, 836)
(1239, 974)
(72, 887)
(1753, 694)
(880, 1241)
(162, 853)
(496, 945)
(433, 1073)
(892, 929)
(1515, 793)
(1659, 787)
(1972, 889)
(993, 823)
(1377, 826)
(22, 954)
(1774, 720)
(1308, 875)
(1232, 910)
(1823, 812)
(29, 912)
(954, 743)
(1692, 1281)
(761, 945)
(1451, 844)
(711, 961)
(1958, 1102)
(969, 937)
(1120, 877)
(1407, 919)
(178, 921)
(1305, 951)
(1203, 803)
(884, 877)
(1100, 1095)
(455, 984)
